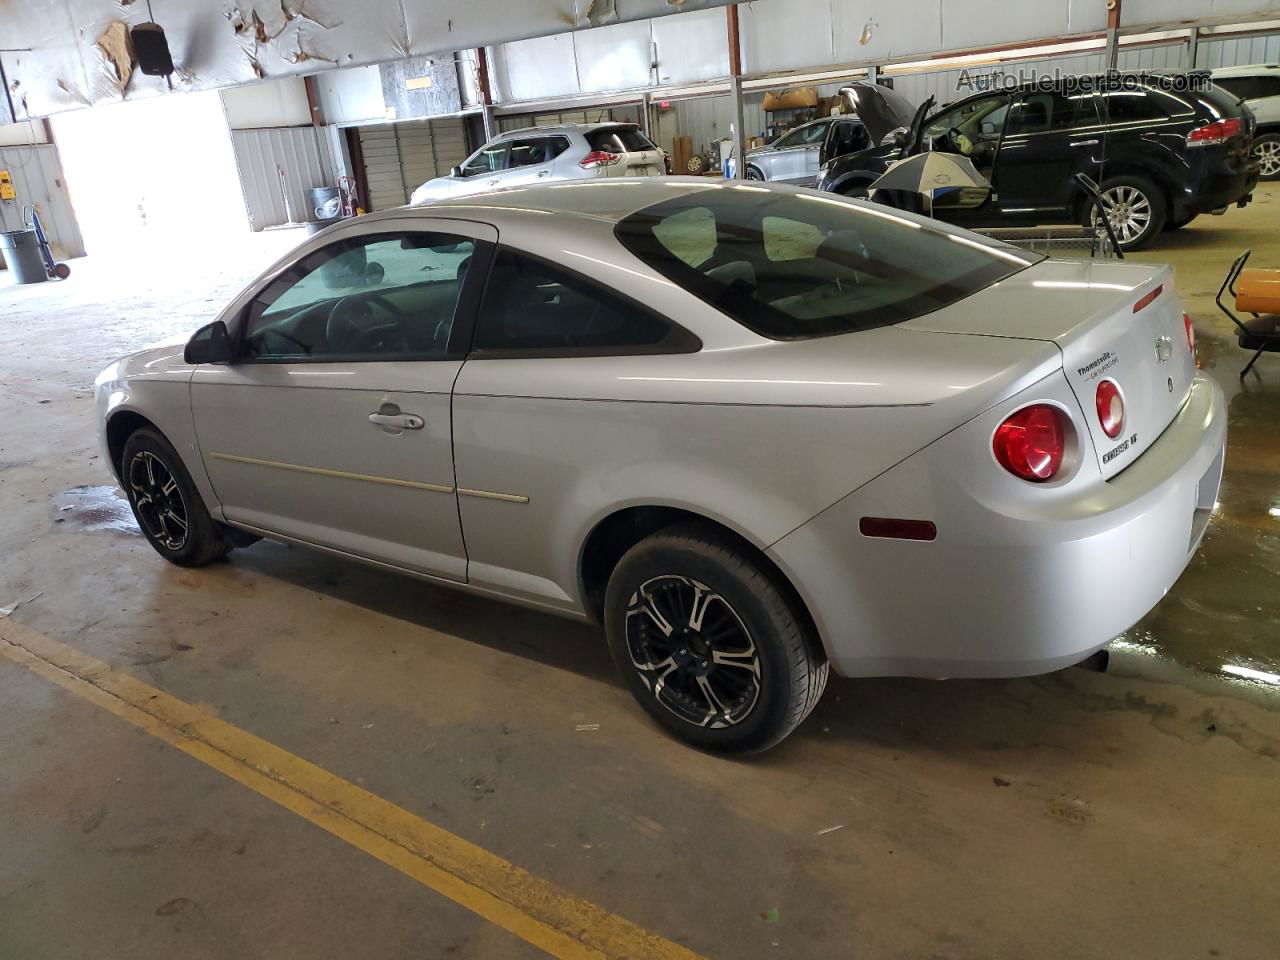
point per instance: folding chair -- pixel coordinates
(1259, 296)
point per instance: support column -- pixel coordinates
(486, 94)
(1193, 48)
(735, 91)
(1113, 36)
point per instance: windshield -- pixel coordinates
(798, 265)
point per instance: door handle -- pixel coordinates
(544, 173)
(397, 421)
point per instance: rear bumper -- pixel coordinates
(1017, 582)
(1218, 191)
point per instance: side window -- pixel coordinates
(556, 146)
(1131, 106)
(977, 120)
(1051, 112)
(529, 153)
(490, 158)
(380, 297)
(689, 235)
(531, 306)
(814, 134)
(787, 239)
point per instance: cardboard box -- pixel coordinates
(796, 99)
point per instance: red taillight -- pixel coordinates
(1191, 332)
(1030, 443)
(598, 158)
(1110, 408)
(1219, 131)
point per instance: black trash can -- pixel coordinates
(22, 254)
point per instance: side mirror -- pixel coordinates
(901, 138)
(210, 344)
(456, 173)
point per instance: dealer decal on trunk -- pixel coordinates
(1096, 368)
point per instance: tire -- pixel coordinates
(1266, 150)
(1143, 210)
(165, 500)
(772, 672)
(859, 191)
(1179, 224)
(755, 173)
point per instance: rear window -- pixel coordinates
(793, 266)
(1250, 88)
(619, 140)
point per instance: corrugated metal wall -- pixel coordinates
(305, 157)
(1238, 52)
(398, 157)
(37, 178)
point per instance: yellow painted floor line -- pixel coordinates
(530, 908)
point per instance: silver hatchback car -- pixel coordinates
(570, 151)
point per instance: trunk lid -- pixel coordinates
(641, 163)
(1112, 321)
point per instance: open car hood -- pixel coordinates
(880, 109)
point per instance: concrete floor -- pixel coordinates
(1131, 814)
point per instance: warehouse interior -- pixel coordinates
(297, 752)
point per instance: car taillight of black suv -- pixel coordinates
(1164, 148)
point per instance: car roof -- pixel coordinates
(563, 128)
(609, 200)
(1247, 71)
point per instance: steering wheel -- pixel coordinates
(352, 327)
(961, 141)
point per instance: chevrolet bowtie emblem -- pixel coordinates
(1164, 349)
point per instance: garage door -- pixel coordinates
(400, 156)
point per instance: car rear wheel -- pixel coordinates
(1136, 208)
(708, 644)
(1266, 150)
(166, 503)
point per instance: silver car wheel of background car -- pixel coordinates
(157, 498)
(693, 651)
(1129, 211)
(1266, 151)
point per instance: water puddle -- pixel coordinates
(94, 509)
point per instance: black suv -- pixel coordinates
(1164, 149)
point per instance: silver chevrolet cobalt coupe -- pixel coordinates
(758, 432)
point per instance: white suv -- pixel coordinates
(543, 154)
(1259, 87)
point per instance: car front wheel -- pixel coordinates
(755, 173)
(1136, 208)
(708, 644)
(1266, 150)
(166, 504)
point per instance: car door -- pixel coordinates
(333, 425)
(786, 162)
(1049, 138)
(518, 442)
(814, 134)
(483, 170)
(532, 160)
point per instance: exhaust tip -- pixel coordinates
(1097, 662)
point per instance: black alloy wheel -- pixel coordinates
(693, 651)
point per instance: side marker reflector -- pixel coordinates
(1149, 299)
(892, 528)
